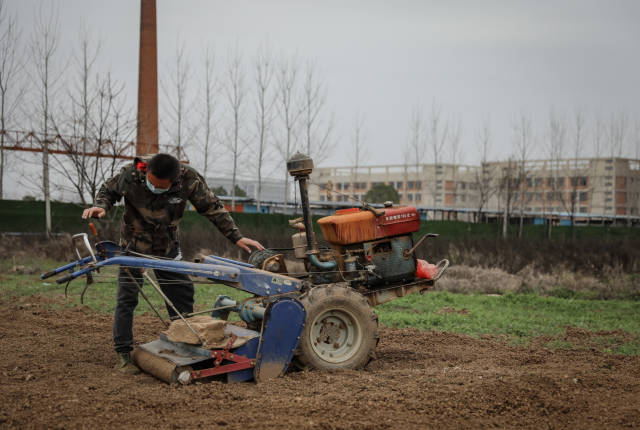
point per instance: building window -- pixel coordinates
(363, 185)
(583, 209)
(418, 185)
(561, 181)
(529, 182)
(538, 197)
(584, 196)
(322, 198)
(538, 182)
(399, 185)
(346, 186)
(418, 197)
(410, 197)
(339, 186)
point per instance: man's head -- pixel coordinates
(162, 170)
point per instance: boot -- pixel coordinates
(125, 365)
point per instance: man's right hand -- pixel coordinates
(93, 212)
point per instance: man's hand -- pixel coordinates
(245, 243)
(93, 212)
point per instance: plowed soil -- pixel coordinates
(55, 371)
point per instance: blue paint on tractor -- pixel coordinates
(236, 274)
(282, 327)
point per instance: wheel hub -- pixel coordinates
(336, 335)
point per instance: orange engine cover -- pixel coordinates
(349, 226)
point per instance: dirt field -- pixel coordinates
(56, 372)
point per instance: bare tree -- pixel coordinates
(507, 190)
(264, 104)
(416, 146)
(77, 120)
(11, 87)
(617, 130)
(359, 152)
(47, 75)
(556, 148)
(288, 111)
(178, 104)
(235, 92)
(483, 183)
(454, 137)
(210, 104)
(317, 128)
(87, 163)
(596, 185)
(578, 180)
(438, 134)
(523, 144)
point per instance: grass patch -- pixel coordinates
(563, 322)
(101, 295)
(520, 317)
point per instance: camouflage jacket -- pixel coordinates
(150, 221)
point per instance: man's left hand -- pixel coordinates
(245, 243)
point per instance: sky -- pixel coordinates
(477, 61)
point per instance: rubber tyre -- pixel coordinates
(337, 315)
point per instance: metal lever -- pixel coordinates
(84, 239)
(407, 253)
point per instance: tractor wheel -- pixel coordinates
(340, 332)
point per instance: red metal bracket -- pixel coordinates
(240, 362)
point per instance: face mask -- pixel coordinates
(156, 190)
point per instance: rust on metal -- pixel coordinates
(349, 226)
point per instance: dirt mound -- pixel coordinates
(55, 370)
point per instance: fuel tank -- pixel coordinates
(349, 226)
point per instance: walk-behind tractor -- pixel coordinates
(319, 318)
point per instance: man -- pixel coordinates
(155, 196)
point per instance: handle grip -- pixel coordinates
(93, 229)
(65, 278)
(48, 274)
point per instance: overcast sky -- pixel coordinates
(476, 60)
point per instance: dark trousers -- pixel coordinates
(177, 287)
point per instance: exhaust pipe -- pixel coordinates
(300, 167)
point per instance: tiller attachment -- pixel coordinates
(245, 355)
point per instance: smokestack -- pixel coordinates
(147, 127)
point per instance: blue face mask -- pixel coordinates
(156, 190)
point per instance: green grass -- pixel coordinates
(100, 295)
(519, 318)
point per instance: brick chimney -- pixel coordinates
(147, 130)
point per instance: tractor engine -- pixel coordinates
(371, 247)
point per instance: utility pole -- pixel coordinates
(147, 131)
